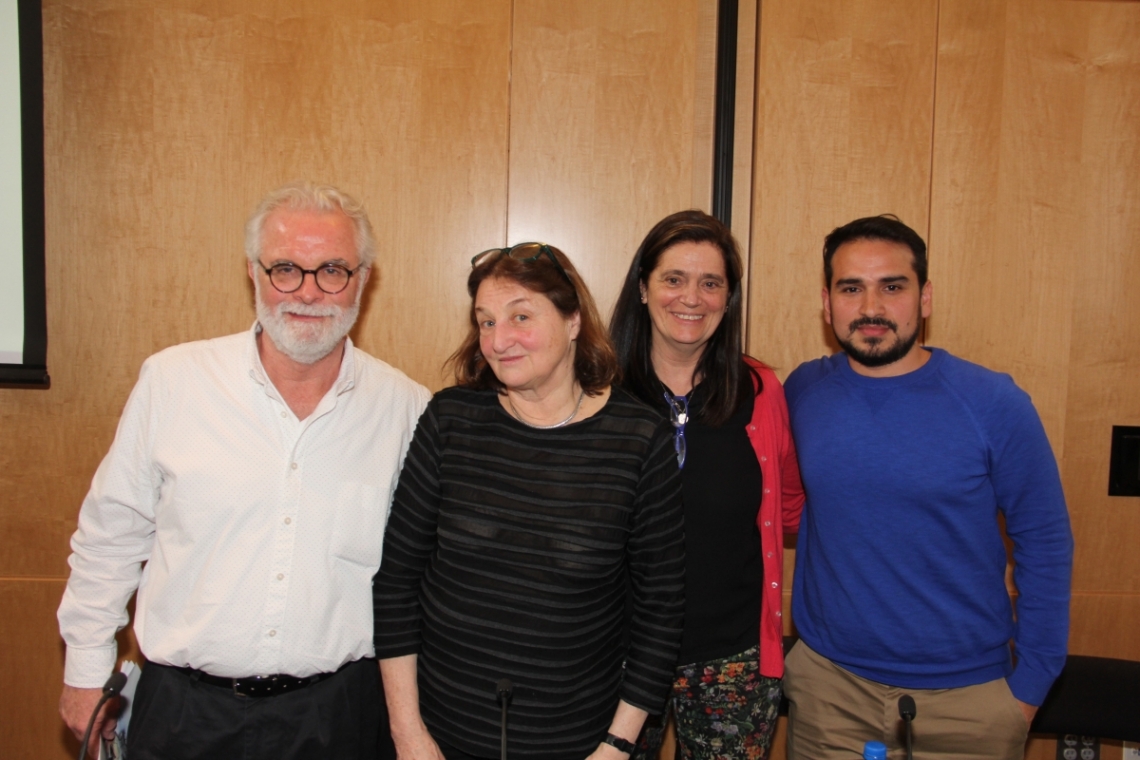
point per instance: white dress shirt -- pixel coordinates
(260, 533)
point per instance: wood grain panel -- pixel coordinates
(844, 109)
(602, 128)
(1104, 383)
(704, 104)
(31, 671)
(165, 125)
(1006, 191)
(1034, 227)
(1105, 625)
(747, 39)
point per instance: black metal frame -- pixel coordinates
(724, 130)
(33, 372)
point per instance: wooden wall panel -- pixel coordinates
(844, 108)
(603, 124)
(166, 123)
(1034, 224)
(164, 126)
(1005, 199)
(1035, 221)
(31, 671)
(1104, 384)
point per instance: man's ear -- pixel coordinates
(826, 296)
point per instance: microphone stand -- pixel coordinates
(907, 711)
(111, 690)
(503, 693)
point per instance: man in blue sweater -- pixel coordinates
(910, 457)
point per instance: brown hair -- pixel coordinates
(595, 363)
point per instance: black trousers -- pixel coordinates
(176, 717)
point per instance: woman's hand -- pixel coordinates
(409, 734)
(417, 746)
(607, 752)
(627, 724)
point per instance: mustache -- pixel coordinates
(308, 309)
(873, 322)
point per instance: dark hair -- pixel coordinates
(595, 365)
(728, 380)
(883, 227)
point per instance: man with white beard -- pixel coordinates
(252, 474)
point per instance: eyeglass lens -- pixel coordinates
(331, 278)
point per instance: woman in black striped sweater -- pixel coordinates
(535, 535)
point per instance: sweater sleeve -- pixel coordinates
(1028, 490)
(656, 558)
(409, 542)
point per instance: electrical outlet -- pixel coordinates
(1073, 747)
(1131, 751)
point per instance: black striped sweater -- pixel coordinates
(554, 558)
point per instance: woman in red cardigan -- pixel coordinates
(678, 331)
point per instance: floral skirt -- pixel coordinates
(722, 709)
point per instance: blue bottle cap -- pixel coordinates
(874, 751)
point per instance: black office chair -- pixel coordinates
(1093, 696)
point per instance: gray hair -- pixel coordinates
(307, 196)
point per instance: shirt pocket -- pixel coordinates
(358, 526)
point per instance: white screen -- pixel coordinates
(11, 191)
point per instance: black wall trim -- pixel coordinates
(724, 131)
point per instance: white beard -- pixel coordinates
(306, 343)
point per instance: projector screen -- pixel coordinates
(23, 312)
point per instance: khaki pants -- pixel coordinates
(834, 712)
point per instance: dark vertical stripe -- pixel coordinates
(725, 129)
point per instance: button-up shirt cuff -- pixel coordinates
(89, 668)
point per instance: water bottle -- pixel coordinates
(874, 751)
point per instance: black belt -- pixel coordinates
(258, 686)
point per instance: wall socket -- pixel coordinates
(1131, 751)
(1073, 747)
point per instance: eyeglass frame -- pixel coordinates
(542, 248)
(313, 272)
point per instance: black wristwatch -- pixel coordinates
(620, 744)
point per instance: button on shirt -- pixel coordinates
(260, 532)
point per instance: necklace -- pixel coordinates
(564, 422)
(679, 416)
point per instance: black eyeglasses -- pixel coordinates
(287, 277)
(678, 415)
(525, 252)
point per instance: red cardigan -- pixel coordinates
(780, 507)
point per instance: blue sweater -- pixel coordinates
(900, 565)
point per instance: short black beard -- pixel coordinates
(874, 357)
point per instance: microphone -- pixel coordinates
(503, 690)
(111, 690)
(115, 684)
(907, 711)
